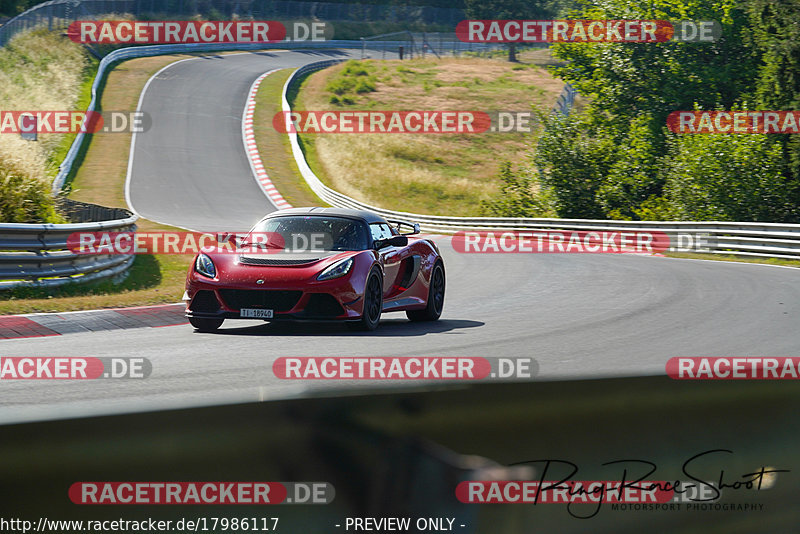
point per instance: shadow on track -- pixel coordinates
(387, 328)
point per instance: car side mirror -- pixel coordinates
(400, 224)
(394, 241)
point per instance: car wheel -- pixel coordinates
(205, 325)
(435, 298)
(373, 304)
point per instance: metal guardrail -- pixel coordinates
(155, 50)
(416, 44)
(770, 240)
(565, 100)
(37, 254)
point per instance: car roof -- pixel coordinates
(367, 216)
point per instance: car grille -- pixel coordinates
(249, 260)
(204, 301)
(277, 300)
(323, 305)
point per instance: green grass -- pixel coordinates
(274, 147)
(144, 273)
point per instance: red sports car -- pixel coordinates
(318, 264)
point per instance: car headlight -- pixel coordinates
(336, 270)
(205, 266)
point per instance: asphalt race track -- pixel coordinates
(578, 315)
(190, 169)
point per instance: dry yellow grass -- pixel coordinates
(101, 180)
(39, 71)
(426, 173)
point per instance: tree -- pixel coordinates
(520, 196)
(574, 156)
(635, 177)
(733, 177)
(627, 79)
(775, 32)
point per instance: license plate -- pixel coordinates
(255, 313)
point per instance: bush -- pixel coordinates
(355, 78)
(340, 86)
(635, 176)
(355, 68)
(730, 178)
(365, 86)
(520, 196)
(574, 159)
(24, 199)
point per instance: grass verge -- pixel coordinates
(150, 280)
(39, 71)
(100, 179)
(442, 174)
(274, 147)
(731, 257)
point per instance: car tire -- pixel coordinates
(373, 304)
(433, 310)
(205, 325)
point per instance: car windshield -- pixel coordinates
(310, 233)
